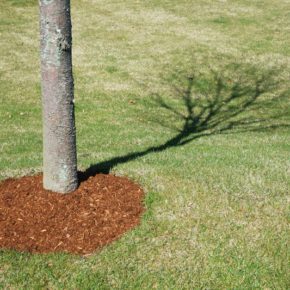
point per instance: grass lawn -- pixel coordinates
(191, 100)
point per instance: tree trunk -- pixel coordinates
(59, 136)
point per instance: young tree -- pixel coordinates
(59, 136)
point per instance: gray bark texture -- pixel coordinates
(59, 134)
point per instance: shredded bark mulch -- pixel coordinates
(39, 221)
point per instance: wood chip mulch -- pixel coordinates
(39, 221)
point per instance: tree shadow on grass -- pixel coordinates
(238, 99)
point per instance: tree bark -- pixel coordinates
(59, 134)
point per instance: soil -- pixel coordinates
(40, 221)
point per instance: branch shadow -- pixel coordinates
(238, 99)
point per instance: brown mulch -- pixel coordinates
(39, 221)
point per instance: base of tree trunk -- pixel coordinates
(36, 220)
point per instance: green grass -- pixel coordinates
(217, 186)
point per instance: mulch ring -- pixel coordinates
(39, 221)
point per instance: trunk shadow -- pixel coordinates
(246, 101)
